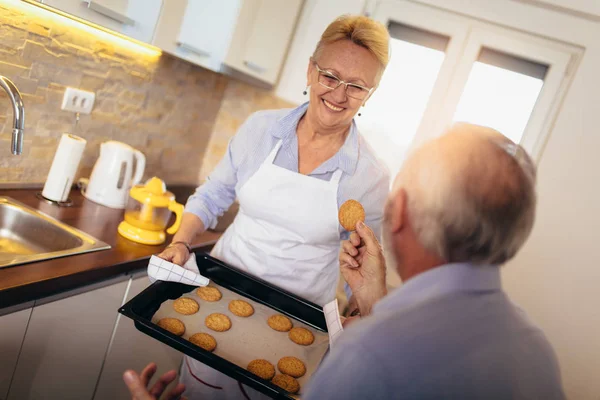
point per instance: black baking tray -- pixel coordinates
(143, 306)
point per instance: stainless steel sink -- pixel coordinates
(28, 235)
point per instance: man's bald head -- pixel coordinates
(470, 195)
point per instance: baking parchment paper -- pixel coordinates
(249, 338)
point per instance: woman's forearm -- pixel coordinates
(191, 226)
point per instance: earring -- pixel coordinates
(306, 90)
(359, 114)
(304, 93)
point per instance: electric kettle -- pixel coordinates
(114, 174)
(148, 212)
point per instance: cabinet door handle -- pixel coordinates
(187, 47)
(255, 67)
(107, 12)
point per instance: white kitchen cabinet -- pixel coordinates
(133, 349)
(134, 18)
(198, 31)
(261, 38)
(249, 36)
(12, 331)
(65, 345)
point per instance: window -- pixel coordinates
(392, 116)
(447, 67)
(501, 92)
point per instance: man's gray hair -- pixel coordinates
(471, 196)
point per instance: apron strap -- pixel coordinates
(273, 153)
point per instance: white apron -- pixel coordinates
(287, 233)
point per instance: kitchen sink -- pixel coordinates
(28, 235)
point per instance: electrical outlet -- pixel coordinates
(77, 100)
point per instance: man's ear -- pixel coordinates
(396, 211)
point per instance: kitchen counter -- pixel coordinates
(27, 282)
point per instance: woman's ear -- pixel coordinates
(309, 71)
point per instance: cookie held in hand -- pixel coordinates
(350, 213)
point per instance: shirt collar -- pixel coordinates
(449, 278)
(345, 159)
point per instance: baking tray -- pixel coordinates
(142, 308)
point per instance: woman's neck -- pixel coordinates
(308, 132)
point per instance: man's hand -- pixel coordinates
(362, 265)
(137, 384)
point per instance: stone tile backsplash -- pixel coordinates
(163, 106)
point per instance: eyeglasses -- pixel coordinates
(330, 81)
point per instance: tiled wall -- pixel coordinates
(165, 107)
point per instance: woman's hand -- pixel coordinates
(137, 384)
(362, 265)
(176, 252)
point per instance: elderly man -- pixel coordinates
(462, 205)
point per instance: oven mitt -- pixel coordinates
(161, 270)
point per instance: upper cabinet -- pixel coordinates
(134, 18)
(250, 36)
(262, 36)
(197, 30)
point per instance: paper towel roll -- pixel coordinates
(64, 167)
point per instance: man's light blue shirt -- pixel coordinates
(448, 333)
(364, 177)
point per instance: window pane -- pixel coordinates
(501, 93)
(393, 114)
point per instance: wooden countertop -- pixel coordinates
(27, 282)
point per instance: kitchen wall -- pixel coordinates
(163, 106)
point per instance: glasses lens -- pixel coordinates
(328, 80)
(356, 92)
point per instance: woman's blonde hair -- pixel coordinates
(363, 31)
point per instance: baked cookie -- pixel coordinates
(350, 213)
(301, 336)
(204, 340)
(186, 306)
(291, 366)
(209, 293)
(241, 308)
(218, 322)
(173, 325)
(286, 382)
(262, 368)
(280, 323)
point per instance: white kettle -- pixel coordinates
(113, 174)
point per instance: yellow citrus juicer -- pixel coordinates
(148, 212)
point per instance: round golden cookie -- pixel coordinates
(218, 322)
(186, 306)
(301, 336)
(280, 323)
(350, 213)
(241, 308)
(291, 366)
(286, 382)
(262, 368)
(209, 293)
(173, 325)
(204, 340)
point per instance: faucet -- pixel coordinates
(19, 114)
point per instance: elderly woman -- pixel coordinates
(290, 171)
